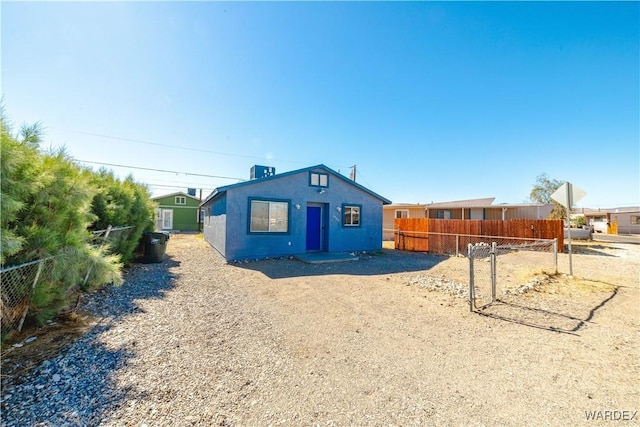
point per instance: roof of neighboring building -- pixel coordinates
(480, 203)
(221, 190)
(470, 203)
(598, 212)
(177, 193)
(406, 205)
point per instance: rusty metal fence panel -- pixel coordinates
(18, 282)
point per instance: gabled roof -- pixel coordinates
(177, 193)
(221, 190)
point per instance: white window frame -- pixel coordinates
(317, 179)
(181, 200)
(351, 215)
(401, 211)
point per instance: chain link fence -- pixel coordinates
(111, 235)
(18, 282)
(458, 244)
(508, 267)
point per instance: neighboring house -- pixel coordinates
(177, 212)
(614, 221)
(307, 210)
(399, 210)
(485, 209)
(463, 209)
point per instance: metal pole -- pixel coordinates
(33, 287)
(200, 212)
(569, 203)
(86, 277)
(471, 285)
(106, 234)
(493, 271)
(555, 253)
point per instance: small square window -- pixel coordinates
(351, 216)
(181, 200)
(318, 179)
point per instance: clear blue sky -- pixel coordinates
(431, 101)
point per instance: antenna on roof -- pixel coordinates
(352, 175)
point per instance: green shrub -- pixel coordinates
(122, 203)
(49, 207)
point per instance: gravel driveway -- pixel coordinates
(380, 341)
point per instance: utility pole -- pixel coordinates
(353, 173)
(200, 212)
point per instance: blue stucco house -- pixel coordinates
(314, 209)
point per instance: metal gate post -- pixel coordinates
(555, 253)
(471, 284)
(493, 256)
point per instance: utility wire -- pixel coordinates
(177, 186)
(157, 144)
(158, 170)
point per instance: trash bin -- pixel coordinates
(155, 246)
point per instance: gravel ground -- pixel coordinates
(387, 340)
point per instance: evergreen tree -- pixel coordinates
(46, 212)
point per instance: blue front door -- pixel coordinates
(314, 228)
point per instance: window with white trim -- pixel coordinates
(318, 179)
(402, 213)
(351, 215)
(181, 200)
(268, 216)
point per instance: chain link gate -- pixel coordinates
(482, 274)
(520, 261)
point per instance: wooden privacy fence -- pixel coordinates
(439, 235)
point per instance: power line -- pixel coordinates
(177, 186)
(158, 170)
(157, 144)
(176, 181)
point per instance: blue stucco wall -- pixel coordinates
(240, 245)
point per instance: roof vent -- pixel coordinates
(258, 171)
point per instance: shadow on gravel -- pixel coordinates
(76, 388)
(595, 251)
(141, 281)
(384, 262)
(541, 318)
(70, 381)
